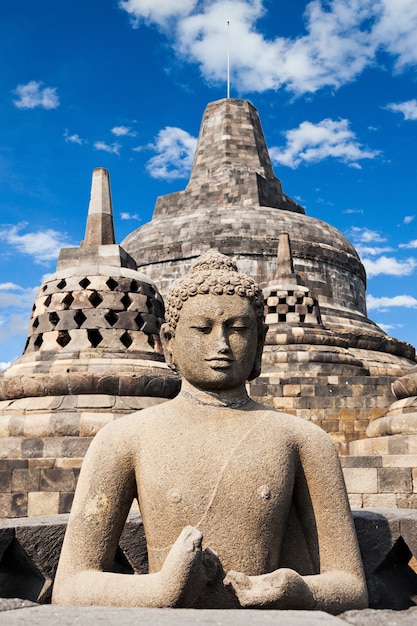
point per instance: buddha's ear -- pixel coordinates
(257, 365)
(167, 335)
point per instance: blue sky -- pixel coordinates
(123, 85)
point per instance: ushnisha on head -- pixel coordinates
(215, 274)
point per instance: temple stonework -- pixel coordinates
(92, 354)
(93, 351)
(325, 360)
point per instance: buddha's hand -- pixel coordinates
(187, 569)
(282, 589)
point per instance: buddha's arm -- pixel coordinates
(340, 583)
(105, 491)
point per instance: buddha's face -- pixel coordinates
(215, 342)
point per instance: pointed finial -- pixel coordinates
(228, 59)
(285, 265)
(100, 228)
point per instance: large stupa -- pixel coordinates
(334, 367)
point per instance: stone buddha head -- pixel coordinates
(214, 331)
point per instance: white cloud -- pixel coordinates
(33, 95)
(388, 328)
(10, 287)
(381, 304)
(353, 211)
(175, 150)
(129, 216)
(410, 244)
(365, 235)
(364, 251)
(389, 266)
(123, 131)
(342, 38)
(4, 365)
(113, 148)
(395, 30)
(156, 11)
(408, 219)
(42, 245)
(311, 143)
(75, 138)
(408, 109)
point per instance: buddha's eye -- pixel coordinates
(202, 329)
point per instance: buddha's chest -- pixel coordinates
(225, 483)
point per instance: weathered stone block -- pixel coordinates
(5, 481)
(361, 480)
(25, 480)
(65, 502)
(32, 448)
(57, 480)
(394, 480)
(13, 504)
(43, 503)
(379, 500)
(407, 501)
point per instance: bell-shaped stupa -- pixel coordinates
(92, 354)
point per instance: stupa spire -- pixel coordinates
(100, 227)
(231, 164)
(285, 265)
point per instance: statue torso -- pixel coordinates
(230, 473)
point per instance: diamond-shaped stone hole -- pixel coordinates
(48, 300)
(68, 300)
(155, 306)
(140, 322)
(54, 318)
(94, 337)
(111, 317)
(35, 322)
(134, 287)
(151, 341)
(126, 301)
(45, 287)
(126, 340)
(63, 338)
(38, 341)
(111, 284)
(96, 299)
(79, 318)
(84, 283)
(62, 284)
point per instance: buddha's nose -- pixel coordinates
(222, 343)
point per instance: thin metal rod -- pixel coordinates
(228, 59)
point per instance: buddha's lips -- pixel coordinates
(220, 360)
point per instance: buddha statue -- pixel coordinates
(242, 505)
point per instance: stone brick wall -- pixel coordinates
(39, 476)
(388, 481)
(325, 386)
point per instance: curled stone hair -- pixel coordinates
(216, 274)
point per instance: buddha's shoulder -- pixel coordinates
(293, 424)
(132, 425)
